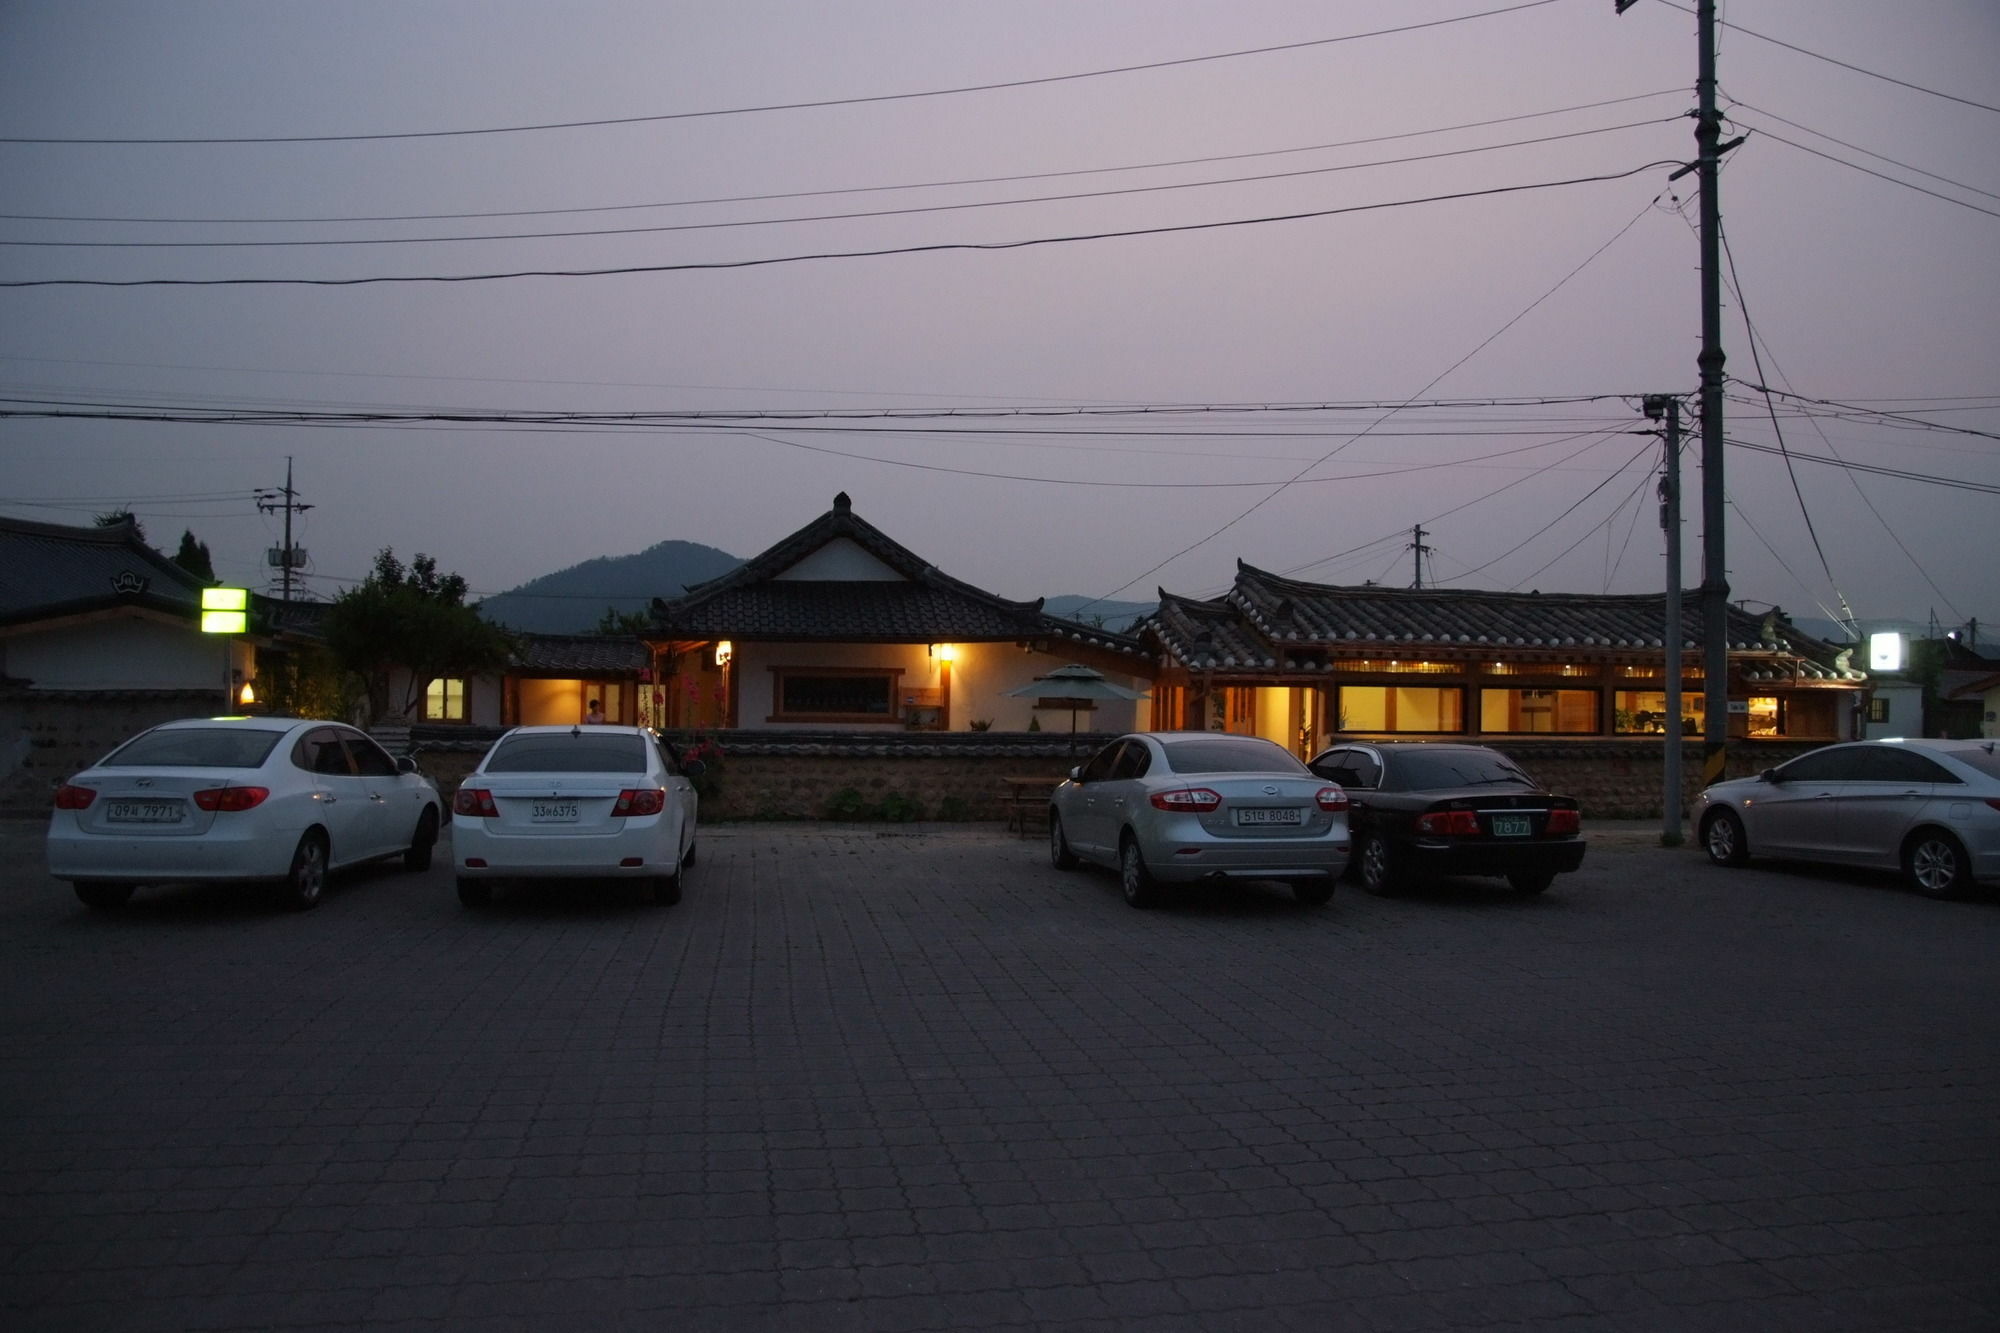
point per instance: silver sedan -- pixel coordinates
(1928, 808)
(1176, 807)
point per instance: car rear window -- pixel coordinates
(1428, 770)
(562, 752)
(1230, 754)
(195, 747)
(1984, 759)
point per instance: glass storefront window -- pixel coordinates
(1572, 712)
(1644, 712)
(1765, 717)
(1393, 708)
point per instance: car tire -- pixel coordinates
(474, 892)
(1376, 865)
(1935, 864)
(1134, 879)
(667, 889)
(1722, 837)
(417, 857)
(1527, 883)
(101, 896)
(1313, 892)
(688, 860)
(1060, 855)
(305, 882)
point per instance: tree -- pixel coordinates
(193, 557)
(414, 620)
(614, 621)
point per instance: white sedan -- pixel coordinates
(239, 798)
(576, 802)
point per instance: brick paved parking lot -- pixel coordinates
(895, 1080)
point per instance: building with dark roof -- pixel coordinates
(838, 626)
(1298, 661)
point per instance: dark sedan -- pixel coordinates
(1422, 809)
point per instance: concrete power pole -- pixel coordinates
(1417, 544)
(286, 557)
(1666, 405)
(1714, 566)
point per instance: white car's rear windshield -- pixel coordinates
(1228, 754)
(561, 752)
(195, 747)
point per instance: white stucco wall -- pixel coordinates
(842, 561)
(129, 653)
(1906, 710)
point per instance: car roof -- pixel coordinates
(582, 728)
(1941, 744)
(245, 722)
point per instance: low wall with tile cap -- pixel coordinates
(961, 775)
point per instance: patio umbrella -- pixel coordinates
(1074, 681)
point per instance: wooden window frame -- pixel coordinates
(891, 676)
(464, 699)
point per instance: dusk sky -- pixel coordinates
(1372, 265)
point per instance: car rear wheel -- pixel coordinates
(102, 896)
(1379, 872)
(667, 889)
(1313, 892)
(417, 858)
(1723, 839)
(1060, 856)
(1527, 882)
(306, 880)
(1936, 866)
(474, 892)
(1133, 877)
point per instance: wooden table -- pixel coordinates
(1028, 796)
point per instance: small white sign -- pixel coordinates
(1885, 651)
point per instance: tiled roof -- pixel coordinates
(927, 606)
(49, 570)
(1266, 619)
(580, 654)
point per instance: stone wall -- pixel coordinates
(962, 776)
(47, 735)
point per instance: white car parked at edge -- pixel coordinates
(239, 798)
(577, 802)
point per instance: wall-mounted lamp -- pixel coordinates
(247, 694)
(724, 652)
(944, 652)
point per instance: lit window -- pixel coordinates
(1878, 709)
(1394, 708)
(444, 701)
(1571, 712)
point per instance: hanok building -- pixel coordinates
(1297, 662)
(838, 627)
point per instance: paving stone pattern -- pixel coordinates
(917, 1080)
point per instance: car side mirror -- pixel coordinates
(1770, 775)
(1076, 774)
(693, 768)
(407, 764)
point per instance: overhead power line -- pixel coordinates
(1857, 69)
(817, 104)
(629, 270)
(859, 189)
(907, 211)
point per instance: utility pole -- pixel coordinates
(1714, 569)
(1660, 405)
(1417, 545)
(286, 557)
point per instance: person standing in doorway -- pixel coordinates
(596, 713)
